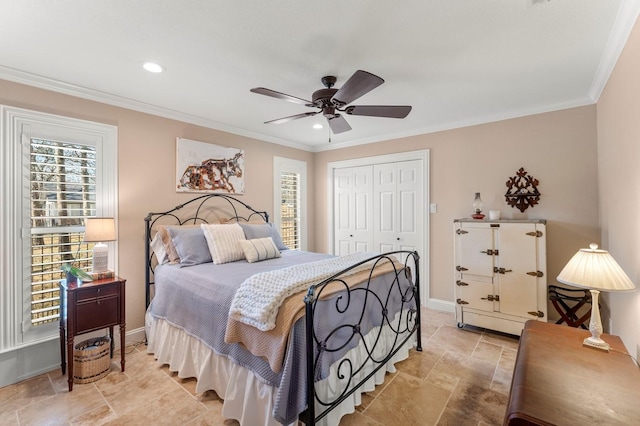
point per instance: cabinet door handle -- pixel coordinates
(398, 239)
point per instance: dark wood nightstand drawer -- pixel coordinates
(93, 292)
(97, 313)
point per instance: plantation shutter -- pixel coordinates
(290, 209)
(63, 193)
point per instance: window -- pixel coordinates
(63, 192)
(58, 171)
(290, 201)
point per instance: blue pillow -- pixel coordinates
(253, 231)
(190, 244)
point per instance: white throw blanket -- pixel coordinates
(258, 299)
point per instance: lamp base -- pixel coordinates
(596, 344)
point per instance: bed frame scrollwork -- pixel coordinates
(401, 321)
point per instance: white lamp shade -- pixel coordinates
(595, 269)
(99, 229)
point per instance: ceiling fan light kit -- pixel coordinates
(331, 102)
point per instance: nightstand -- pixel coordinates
(90, 306)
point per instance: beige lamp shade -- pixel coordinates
(99, 229)
(597, 269)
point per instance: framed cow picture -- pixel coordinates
(207, 168)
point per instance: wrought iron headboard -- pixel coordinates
(202, 209)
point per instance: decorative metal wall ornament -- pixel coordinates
(522, 191)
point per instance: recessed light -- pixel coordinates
(153, 67)
(318, 126)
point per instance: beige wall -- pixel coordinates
(146, 171)
(619, 183)
(558, 148)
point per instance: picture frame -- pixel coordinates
(203, 167)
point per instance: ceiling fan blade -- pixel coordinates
(291, 118)
(338, 124)
(359, 83)
(391, 111)
(284, 97)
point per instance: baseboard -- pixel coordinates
(442, 305)
(134, 336)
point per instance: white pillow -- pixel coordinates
(259, 249)
(158, 248)
(223, 242)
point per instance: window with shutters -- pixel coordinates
(59, 171)
(63, 192)
(290, 201)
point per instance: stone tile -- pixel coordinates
(479, 403)
(502, 380)
(506, 340)
(9, 418)
(455, 418)
(62, 407)
(468, 369)
(443, 380)
(368, 397)
(462, 377)
(169, 408)
(25, 393)
(487, 352)
(419, 364)
(456, 339)
(408, 401)
(359, 419)
(138, 391)
(508, 358)
(99, 416)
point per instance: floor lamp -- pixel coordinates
(597, 271)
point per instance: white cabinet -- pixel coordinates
(500, 273)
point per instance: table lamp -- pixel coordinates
(99, 230)
(595, 270)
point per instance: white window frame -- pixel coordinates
(288, 165)
(18, 127)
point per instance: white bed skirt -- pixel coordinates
(247, 398)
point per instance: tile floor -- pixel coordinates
(461, 378)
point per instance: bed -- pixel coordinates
(267, 328)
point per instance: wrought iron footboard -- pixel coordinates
(403, 323)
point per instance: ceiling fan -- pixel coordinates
(330, 101)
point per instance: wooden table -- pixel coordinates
(557, 381)
(90, 306)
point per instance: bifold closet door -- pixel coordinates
(353, 210)
(398, 206)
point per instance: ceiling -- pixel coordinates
(456, 62)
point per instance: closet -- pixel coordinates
(378, 204)
(379, 207)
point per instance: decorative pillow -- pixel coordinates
(255, 230)
(259, 249)
(158, 248)
(223, 242)
(172, 254)
(190, 245)
(263, 230)
(277, 239)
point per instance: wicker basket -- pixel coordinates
(91, 360)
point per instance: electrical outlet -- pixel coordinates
(433, 208)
